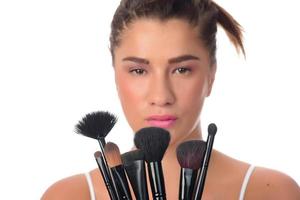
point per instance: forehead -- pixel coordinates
(168, 37)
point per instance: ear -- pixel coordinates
(211, 78)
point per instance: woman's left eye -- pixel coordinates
(182, 70)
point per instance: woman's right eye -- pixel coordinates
(137, 71)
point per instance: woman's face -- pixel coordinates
(163, 74)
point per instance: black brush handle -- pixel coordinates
(106, 169)
(202, 175)
(119, 176)
(157, 182)
(136, 173)
(106, 178)
(187, 182)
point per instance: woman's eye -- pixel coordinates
(182, 70)
(137, 71)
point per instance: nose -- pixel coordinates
(161, 92)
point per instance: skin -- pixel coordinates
(158, 86)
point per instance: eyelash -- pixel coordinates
(182, 70)
(137, 71)
(179, 70)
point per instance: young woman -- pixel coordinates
(164, 57)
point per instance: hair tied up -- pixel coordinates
(203, 14)
(201, 3)
(232, 28)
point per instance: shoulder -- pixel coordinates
(264, 183)
(271, 184)
(74, 187)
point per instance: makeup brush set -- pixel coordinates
(132, 169)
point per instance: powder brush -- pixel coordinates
(154, 141)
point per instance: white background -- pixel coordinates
(55, 67)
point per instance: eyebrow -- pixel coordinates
(170, 61)
(137, 60)
(182, 58)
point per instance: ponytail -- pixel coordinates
(232, 28)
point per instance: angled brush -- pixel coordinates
(190, 156)
(154, 141)
(114, 161)
(134, 164)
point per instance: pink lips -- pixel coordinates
(163, 121)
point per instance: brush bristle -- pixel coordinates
(97, 154)
(131, 156)
(212, 129)
(112, 153)
(190, 154)
(153, 141)
(96, 124)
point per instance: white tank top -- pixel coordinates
(91, 187)
(241, 197)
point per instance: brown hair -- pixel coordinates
(204, 14)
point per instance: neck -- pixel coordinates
(170, 157)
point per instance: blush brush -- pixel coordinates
(97, 125)
(154, 141)
(134, 164)
(114, 161)
(190, 156)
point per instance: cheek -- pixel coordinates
(128, 91)
(191, 98)
(131, 96)
(193, 92)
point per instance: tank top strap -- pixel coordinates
(90, 184)
(245, 182)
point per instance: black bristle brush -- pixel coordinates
(97, 125)
(190, 156)
(134, 164)
(198, 190)
(114, 161)
(154, 141)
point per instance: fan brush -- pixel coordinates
(97, 125)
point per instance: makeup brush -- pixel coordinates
(153, 141)
(114, 161)
(212, 130)
(190, 156)
(100, 163)
(133, 162)
(97, 125)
